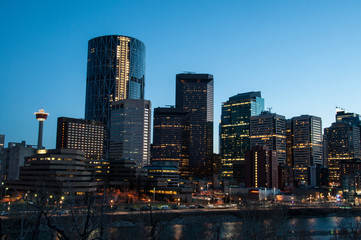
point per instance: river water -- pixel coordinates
(293, 228)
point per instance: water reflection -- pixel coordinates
(294, 228)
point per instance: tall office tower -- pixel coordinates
(171, 137)
(269, 129)
(289, 143)
(115, 71)
(343, 144)
(2, 142)
(234, 131)
(194, 93)
(344, 116)
(84, 135)
(13, 158)
(352, 118)
(2, 155)
(130, 131)
(307, 146)
(261, 167)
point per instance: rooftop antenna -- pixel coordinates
(340, 109)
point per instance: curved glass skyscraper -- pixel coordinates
(115, 71)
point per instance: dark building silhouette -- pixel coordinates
(56, 171)
(126, 175)
(115, 71)
(194, 93)
(171, 137)
(318, 176)
(13, 158)
(80, 134)
(289, 143)
(2, 141)
(343, 143)
(261, 168)
(2, 154)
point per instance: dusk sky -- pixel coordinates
(304, 56)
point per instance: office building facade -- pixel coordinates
(2, 142)
(194, 93)
(14, 158)
(84, 135)
(343, 144)
(171, 137)
(269, 129)
(55, 171)
(115, 71)
(130, 131)
(235, 131)
(306, 146)
(261, 167)
(163, 174)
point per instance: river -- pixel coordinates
(326, 227)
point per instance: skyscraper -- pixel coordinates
(130, 131)
(269, 129)
(171, 137)
(115, 71)
(2, 142)
(234, 131)
(194, 93)
(343, 144)
(307, 146)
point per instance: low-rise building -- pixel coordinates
(57, 171)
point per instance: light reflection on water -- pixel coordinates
(311, 228)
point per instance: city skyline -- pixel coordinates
(280, 49)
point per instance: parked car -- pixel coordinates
(3, 213)
(192, 207)
(145, 208)
(200, 206)
(182, 207)
(165, 207)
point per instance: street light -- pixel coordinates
(154, 194)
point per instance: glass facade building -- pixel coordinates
(115, 71)
(194, 93)
(235, 131)
(130, 131)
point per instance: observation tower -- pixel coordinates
(41, 116)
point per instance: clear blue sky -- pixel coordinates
(304, 56)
